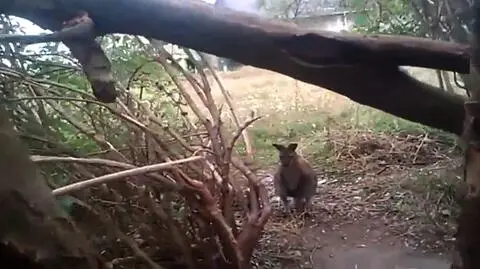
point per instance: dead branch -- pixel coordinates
(120, 175)
(240, 131)
(205, 187)
(96, 161)
(226, 95)
(137, 251)
(94, 61)
(177, 236)
(260, 211)
(212, 214)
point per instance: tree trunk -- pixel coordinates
(468, 234)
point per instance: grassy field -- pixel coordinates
(296, 111)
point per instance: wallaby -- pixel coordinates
(295, 178)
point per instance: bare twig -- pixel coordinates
(119, 175)
(425, 137)
(106, 220)
(58, 98)
(226, 95)
(98, 161)
(240, 130)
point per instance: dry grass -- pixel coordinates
(271, 94)
(268, 93)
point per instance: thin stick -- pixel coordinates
(99, 161)
(418, 148)
(233, 114)
(241, 129)
(127, 173)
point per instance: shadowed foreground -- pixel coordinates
(378, 258)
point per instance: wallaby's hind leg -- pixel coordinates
(309, 203)
(303, 207)
(281, 191)
(300, 203)
(284, 199)
(303, 203)
(308, 190)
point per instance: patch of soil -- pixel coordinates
(365, 217)
(320, 245)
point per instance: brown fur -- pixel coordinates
(295, 178)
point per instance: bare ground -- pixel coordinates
(360, 225)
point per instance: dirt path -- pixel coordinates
(367, 245)
(363, 245)
(353, 227)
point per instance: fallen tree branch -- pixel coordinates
(127, 173)
(278, 47)
(376, 50)
(80, 31)
(336, 49)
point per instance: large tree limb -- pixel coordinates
(283, 48)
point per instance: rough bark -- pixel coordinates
(361, 68)
(33, 229)
(468, 234)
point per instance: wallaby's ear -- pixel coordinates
(292, 147)
(278, 147)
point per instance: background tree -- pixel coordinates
(289, 9)
(439, 20)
